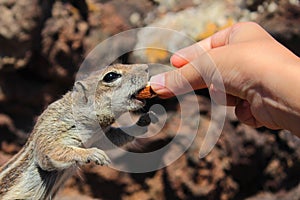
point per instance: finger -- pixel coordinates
(224, 37)
(177, 82)
(186, 55)
(244, 114)
(197, 74)
(219, 65)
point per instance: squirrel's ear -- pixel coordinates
(80, 90)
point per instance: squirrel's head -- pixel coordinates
(110, 92)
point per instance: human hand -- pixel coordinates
(261, 77)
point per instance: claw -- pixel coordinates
(98, 156)
(147, 118)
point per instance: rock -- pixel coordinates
(62, 38)
(174, 31)
(174, 5)
(283, 23)
(20, 21)
(292, 194)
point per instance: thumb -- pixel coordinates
(184, 79)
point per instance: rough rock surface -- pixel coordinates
(20, 22)
(44, 42)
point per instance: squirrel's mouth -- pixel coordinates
(135, 98)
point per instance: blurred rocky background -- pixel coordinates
(43, 43)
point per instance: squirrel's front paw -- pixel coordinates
(97, 156)
(147, 118)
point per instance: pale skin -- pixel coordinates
(261, 76)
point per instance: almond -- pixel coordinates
(146, 93)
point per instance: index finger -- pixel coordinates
(186, 55)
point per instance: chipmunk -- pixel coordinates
(61, 138)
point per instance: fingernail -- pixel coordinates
(177, 60)
(173, 59)
(157, 82)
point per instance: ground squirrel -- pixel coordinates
(60, 140)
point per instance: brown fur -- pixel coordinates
(61, 138)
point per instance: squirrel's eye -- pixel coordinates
(111, 76)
